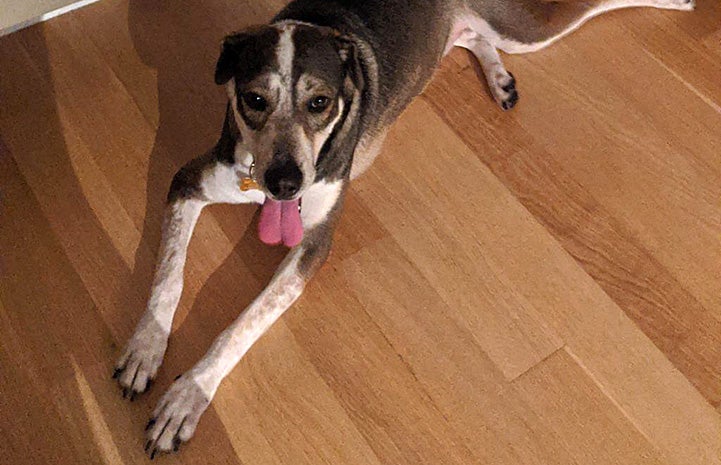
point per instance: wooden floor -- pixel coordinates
(541, 286)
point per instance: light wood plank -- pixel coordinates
(567, 299)
(532, 287)
(601, 206)
(558, 389)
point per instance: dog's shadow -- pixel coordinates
(181, 45)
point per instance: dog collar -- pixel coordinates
(248, 182)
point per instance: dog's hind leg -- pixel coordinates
(203, 181)
(500, 82)
(523, 26)
(178, 411)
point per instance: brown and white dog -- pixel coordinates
(311, 96)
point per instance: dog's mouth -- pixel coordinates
(280, 222)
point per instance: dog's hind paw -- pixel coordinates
(503, 88)
(688, 5)
(681, 5)
(176, 417)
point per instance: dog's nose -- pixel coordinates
(283, 179)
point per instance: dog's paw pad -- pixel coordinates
(511, 101)
(504, 90)
(510, 84)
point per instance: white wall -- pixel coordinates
(16, 14)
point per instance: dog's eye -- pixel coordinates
(255, 101)
(318, 103)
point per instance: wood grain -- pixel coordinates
(539, 286)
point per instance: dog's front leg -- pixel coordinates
(177, 413)
(203, 181)
(144, 351)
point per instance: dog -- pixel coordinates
(311, 96)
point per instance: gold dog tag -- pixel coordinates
(247, 184)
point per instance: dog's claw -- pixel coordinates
(506, 94)
(511, 85)
(175, 418)
(511, 101)
(141, 359)
(150, 424)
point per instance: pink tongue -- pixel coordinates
(280, 222)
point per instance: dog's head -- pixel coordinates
(291, 87)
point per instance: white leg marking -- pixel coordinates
(227, 350)
(180, 409)
(144, 352)
(474, 33)
(145, 349)
(480, 26)
(186, 400)
(168, 282)
(500, 81)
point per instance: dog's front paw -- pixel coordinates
(137, 367)
(176, 416)
(503, 88)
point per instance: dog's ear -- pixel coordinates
(245, 52)
(336, 156)
(230, 56)
(349, 53)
